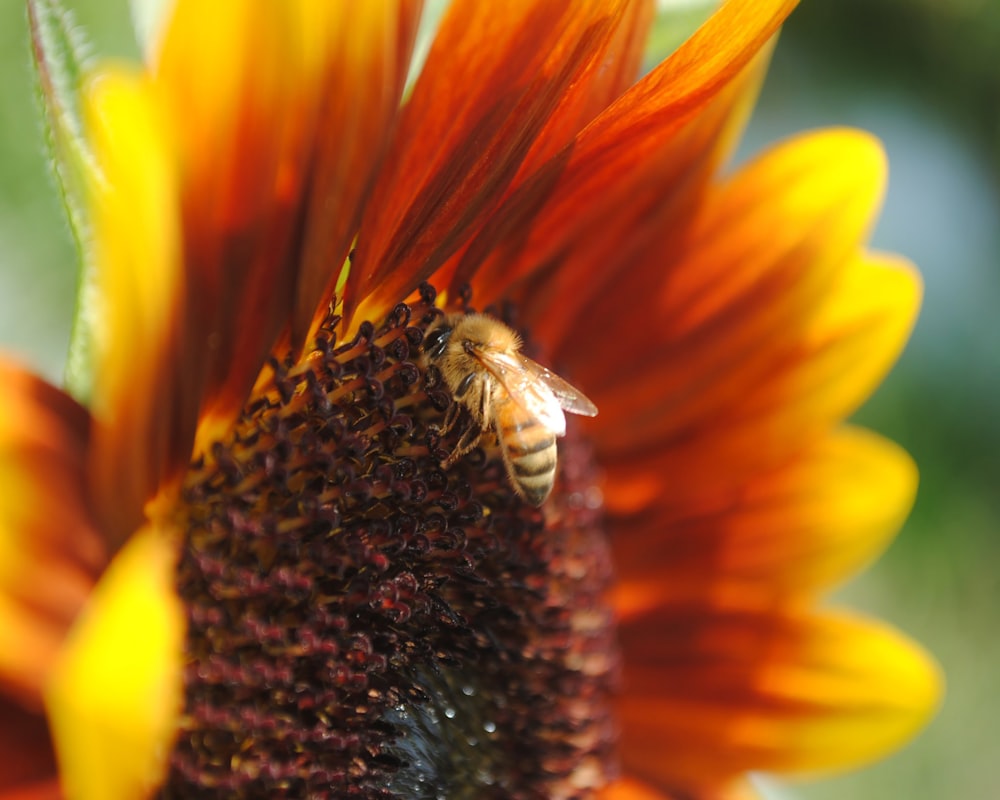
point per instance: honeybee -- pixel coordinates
(481, 363)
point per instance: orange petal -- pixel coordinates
(27, 758)
(595, 263)
(144, 417)
(800, 529)
(279, 112)
(612, 70)
(48, 789)
(751, 268)
(490, 85)
(115, 694)
(711, 693)
(625, 156)
(813, 379)
(30, 640)
(356, 103)
(50, 554)
(629, 788)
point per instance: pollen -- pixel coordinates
(364, 622)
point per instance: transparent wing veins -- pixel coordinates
(538, 390)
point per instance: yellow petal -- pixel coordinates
(711, 693)
(116, 692)
(851, 343)
(144, 418)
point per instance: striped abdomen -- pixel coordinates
(529, 450)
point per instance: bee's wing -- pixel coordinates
(522, 380)
(538, 390)
(570, 398)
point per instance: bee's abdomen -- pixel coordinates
(531, 455)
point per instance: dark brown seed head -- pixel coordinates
(364, 623)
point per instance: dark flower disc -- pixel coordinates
(365, 623)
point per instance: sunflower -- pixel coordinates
(242, 561)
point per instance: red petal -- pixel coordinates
(491, 84)
(595, 263)
(27, 764)
(625, 158)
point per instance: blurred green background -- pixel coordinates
(922, 75)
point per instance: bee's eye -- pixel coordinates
(465, 385)
(436, 341)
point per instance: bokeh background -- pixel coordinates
(921, 74)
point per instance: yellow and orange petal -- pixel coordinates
(808, 381)
(50, 552)
(630, 788)
(711, 693)
(786, 536)
(742, 273)
(276, 155)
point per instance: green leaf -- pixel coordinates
(675, 21)
(62, 57)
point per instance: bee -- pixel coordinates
(482, 365)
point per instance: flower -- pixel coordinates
(247, 566)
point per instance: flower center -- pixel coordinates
(364, 622)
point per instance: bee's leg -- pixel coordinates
(469, 439)
(450, 418)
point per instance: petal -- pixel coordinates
(662, 201)
(27, 753)
(625, 157)
(48, 789)
(490, 85)
(631, 789)
(362, 82)
(812, 379)
(750, 269)
(280, 112)
(711, 693)
(613, 69)
(116, 691)
(50, 554)
(848, 347)
(30, 641)
(800, 529)
(143, 418)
